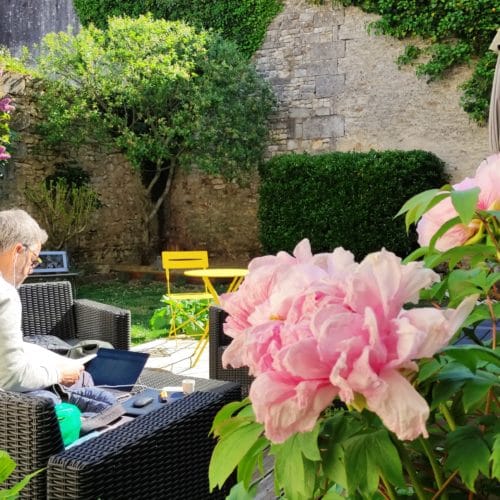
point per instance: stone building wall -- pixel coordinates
(117, 232)
(338, 89)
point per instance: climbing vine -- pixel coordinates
(457, 32)
(244, 22)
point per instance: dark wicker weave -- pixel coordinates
(218, 341)
(164, 454)
(49, 309)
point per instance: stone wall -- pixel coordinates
(117, 232)
(211, 213)
(338, 89)
(26, 24)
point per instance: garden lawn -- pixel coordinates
(141, 297)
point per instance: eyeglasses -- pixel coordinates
(37, 260)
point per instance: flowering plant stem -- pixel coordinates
(408, 465)
(435, 466)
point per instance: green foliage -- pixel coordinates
(162, 92)
(342, 199)
(65, 208)
(477, 90)
(242, 21)
(351, 454)
(472, 268)
(458, 32)
(189, 316)
(7, 466)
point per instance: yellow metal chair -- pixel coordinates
(181, 260)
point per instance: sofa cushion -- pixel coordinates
(50, 342)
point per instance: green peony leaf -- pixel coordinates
(465, 203)
(238, 492)
(365, 466)
(417, 205)
(427, 369)
(495, 458)
(251, 460)
(335, 431)
(7, 466)
(226, 413)
(475, 390)
(230, 450)
(471, 355)
(467, 442)
(293, 472)
(308, 443)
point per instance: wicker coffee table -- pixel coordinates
(163, 454)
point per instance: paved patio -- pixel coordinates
(175, 355)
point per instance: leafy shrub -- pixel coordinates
(343, 199)
(458, 31)
(189, 316)
(166, 95)
(242, 21)
(65, 202)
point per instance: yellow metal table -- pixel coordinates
(235, 274)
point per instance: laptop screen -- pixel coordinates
(116, 368)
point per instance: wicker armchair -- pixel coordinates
(164, 454)
(49, 309)
(218, 341)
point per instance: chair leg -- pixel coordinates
(200, 346)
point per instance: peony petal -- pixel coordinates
(384, 284)
(400, 407)
(488, 179)
(286, 406)
(423, 331)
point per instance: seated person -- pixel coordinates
(24, 366)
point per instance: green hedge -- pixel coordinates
(343, 199)
(244, 22)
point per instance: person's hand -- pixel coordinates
(70, 373)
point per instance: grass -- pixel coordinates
(141, 297)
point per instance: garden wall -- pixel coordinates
(117, 233)
(338, 89)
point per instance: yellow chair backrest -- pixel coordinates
(188, 259)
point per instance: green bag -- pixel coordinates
(70, 423)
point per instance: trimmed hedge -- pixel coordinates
(343, 199)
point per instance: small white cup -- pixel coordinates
(188, 385)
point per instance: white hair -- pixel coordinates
(17, 226)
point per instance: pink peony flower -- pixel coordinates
(487, 178)
(3, 153)
(5, 105)
(312, 328)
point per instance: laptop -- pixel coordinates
(116, 368)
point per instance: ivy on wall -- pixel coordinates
(459, 31)
(244, 22)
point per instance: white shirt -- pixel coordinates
(23, 366)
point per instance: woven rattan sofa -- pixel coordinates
(218, 341)
(164, 454)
